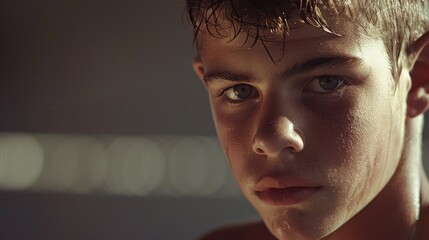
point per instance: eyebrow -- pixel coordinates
(322, 62)
(226, 75)
(299, 68)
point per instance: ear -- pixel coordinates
(418, 96)
(198, 68)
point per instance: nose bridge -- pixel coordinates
(276, 130)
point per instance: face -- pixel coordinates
(311, 139)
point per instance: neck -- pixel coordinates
(395, 212)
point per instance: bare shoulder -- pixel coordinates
(246, 230)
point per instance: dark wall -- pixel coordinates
(43, 216)
(99, 66)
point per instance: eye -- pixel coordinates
(325, 84)
(240, 92)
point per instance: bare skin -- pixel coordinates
(319, 131)
(257, 230)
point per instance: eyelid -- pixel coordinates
(252, 95)
(219, 86)
(344, 81)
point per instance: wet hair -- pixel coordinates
(397, 22)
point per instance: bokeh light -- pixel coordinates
(166, 165)
(193, 169)
(187, 164)
(216, 166)
(92, 165)
(21, 161)
(115, 152)
(136, 166)
(64, 165)
(143, 168)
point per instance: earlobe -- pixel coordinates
(418, 96)
(198, 68)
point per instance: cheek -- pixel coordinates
(234, 124)
(235, 135)
(232, 129)
(360, 150)
(336, 145)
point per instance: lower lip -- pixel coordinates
(287, 196)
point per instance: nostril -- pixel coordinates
(291, 149)
(259, 151)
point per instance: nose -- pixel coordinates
(276, 136)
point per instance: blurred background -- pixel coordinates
(105, 132)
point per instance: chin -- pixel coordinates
(285, 234)
(294, 224)
(298, 234)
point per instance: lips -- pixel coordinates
(284, 190)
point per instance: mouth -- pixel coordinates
(286, 196)
(284, 191)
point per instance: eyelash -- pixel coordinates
(335, 92)
(327, 93)
(254, 93)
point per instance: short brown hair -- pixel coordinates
(398, 22)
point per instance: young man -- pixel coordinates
(319, 108)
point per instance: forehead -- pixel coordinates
(301, 40)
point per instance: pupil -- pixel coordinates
(328, 84)
(242, 91)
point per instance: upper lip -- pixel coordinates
(279, 182)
